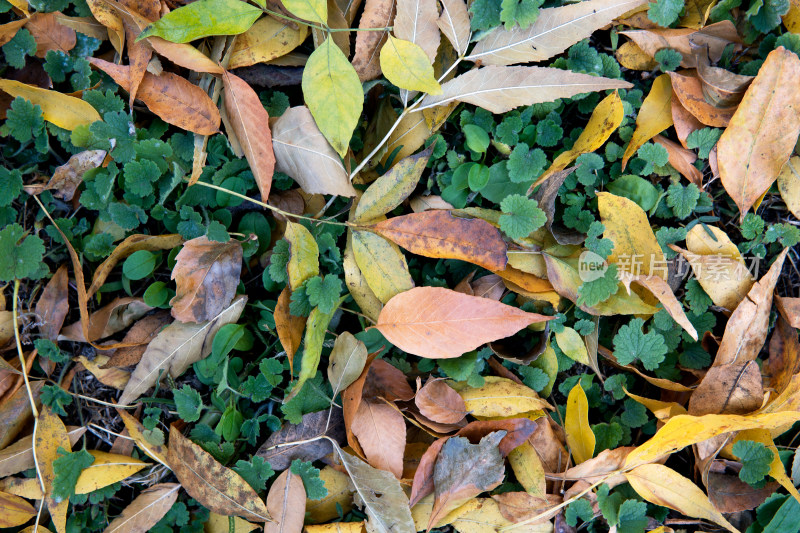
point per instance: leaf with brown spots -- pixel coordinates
(216, 487)
(206, 274)
(68, 177)
(174, 99)
(439, 234)
(377, 14)
(286, 502)
(51, 435)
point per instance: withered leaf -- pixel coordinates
(53, 305)
(286, 502)
(381, 432)
(347, 360)
(109, 319)
(732, 388)
(313, 425)
(217, 488)
(141, 333)
(439, 402)
(146, 510)
(206, 274)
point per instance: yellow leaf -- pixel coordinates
(528, 469)
(313, 10)
(406, 65)
(22, 5)
(414, 129)
(572, 345)
(51, 434)
(106, 469)
(267, 39)
(605, 119)
(636, 249)
(304, 255)
(654, 116)
(339, 495)
(632, 57)
(499, 397)
(789, 185)
(62, 110)
(383, 265)
(685, 430)
(661, 410)
(333, 94)
(580, 437)
(696, 13)
(792, 18)
(663, 486)
(14, 511)
(776, 469)
(107, 16)
(337, 527)
(136, 431)
(357, 283)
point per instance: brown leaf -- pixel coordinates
(108, 320)
(435, 323)
(463, 471)
(377, 14)
(489, 286)
(733, 388)
(206, 275)
(386, 381)
(131, 244)
(715, 36)
(784, 356)
(250, 122)
(789, 309)
(50, 34)
(381, 432)
(763, 132)
(439, 234)
(146, 510)
(596, 468)
(439, 402)
(15, 412)
(53, 305)
(215, 487)
(139, 434)
(69, 176)
(729, 494)
(286, 502)
(10, 29)
(681, 159)
(519, 506)
(689, 91)
(684, 122)
(140, 334)
(174, 99)
(351, 401)
(722, 87)
(289, 327)
(313, 425)
(454, 23)
(416, 22)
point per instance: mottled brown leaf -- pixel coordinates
(139, 335)
(313, 425)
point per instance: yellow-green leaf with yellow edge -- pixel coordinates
(654, 116)
(663, 486)
(203, 19)
(580, 437)
(605, 119)
(333, 94)
(382, 264)
(684, 430)
(62, 110)
(106, 469)
(303, 254)
(628, 228)
(357, 283)
(528, 469)
(499, 397)
(776, 469)
(311, 10)
(406, 65)
(51, 434)
(547, 362)
(572, 345)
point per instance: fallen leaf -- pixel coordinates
(689, 91)
(789, 185)
(139, 434)
(15, 510)
(377, 14)
(107, 469)
(61, 109)
(595, 470)
(18, 456)
(113, 377)
(211, 17)
(751, 152)
(146, 510)
(215, 487)
(108, 320)
(289, 327)
(381, 432)
(382, 265)
(732, 388)
(439, 402)
(250, 123)
(15, 412)
(10, 29)
(269, 38)
(279, 451)
(789, 309)
(681, 159)
(318, 322)
(51, 434)
(654, 116)
(663, 292)
(176, 348)
(405, 64)
(357, 283)
(434, 322)
(784, 356)
(50, 34)
(716, 36)
(139, 336)
(53, 304)
(346, 361)
(416, 22)
(302, 152)
(206, 275)
(286, 502)
(729, 494)
(580, 438)
(454, 23)
(630, 56)
(500, 89)
(684, 122)
(499, 397)
(722, 87)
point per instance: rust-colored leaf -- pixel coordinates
(206, 274)
(439, 234)
(381, 432)
(250, 122)
(109, 319)
(689, 91)
(377, 14)
(681, 159)
(50, 34)
(217, 488)
(439, 402)
(289, 327)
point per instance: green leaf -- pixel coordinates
(333, 94)
(764, 15)
(406, 65)
(24, 120)
(188, 403)
(682, 200)
(140, 176)
(256, 472)
(664, 12)
(476, 138)
(311, 398)
(139, 265)
(607, 436)
(785, 519)
(20, 255)
(50, 350)
(204, 18)
(580, 508)
(756, 459)
(324, 292)
(313, 10)
(521, 12)
(632, 517)
(704, 140)
(602, 247)
(21, 45)
(522, 216)
(599, 290)
(278, 261)
(315, 487)
(634, 415)
(10, 185)
(654, 155)
(485, 14)
(56, 399)
(696, 297)
(67, 469)
(668, 59)
(631, 343)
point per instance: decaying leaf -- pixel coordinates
(279, 451)
(286, 502)
(146, 510)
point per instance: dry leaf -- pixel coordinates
(107, 469)
(15, 510)
(206, 275)
(347, 360)
(339, 494)
(280, 453)
(381, 433)
(654, 116)
(215, 487)
(789, 185)
(269, 38)
(50, 34)
(140, 336)
(69, 176)
(499, 397)
(289, 327)
(377, 14)
(732, 388)
(715, 36)
(51, 435)
(454, 23)
(689, 91)
(146, 510)
(416, 22)
(580, 437)
(108, 320)
(53, 305)
(286, 502)
(681, 159)
(434, 322)
(439, 402)
(19, 456)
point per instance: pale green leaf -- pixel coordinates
(203, 18)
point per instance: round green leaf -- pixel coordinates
(477, 138)
(139, 265)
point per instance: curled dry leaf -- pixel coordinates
(681, 159)
(216, 487)
(439, 234)
(176, 348)
(715, 36)
(206, 275)
(722, 87)
(146, 510)
(286, 502)
(113, 377)
(689, 91)
(322, 423)
(69, 176)
(250, 122)
(439, 402)
(435, 323)
(108, 320)
(752, 150)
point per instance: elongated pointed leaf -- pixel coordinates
(202, 19)
(146, 510)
